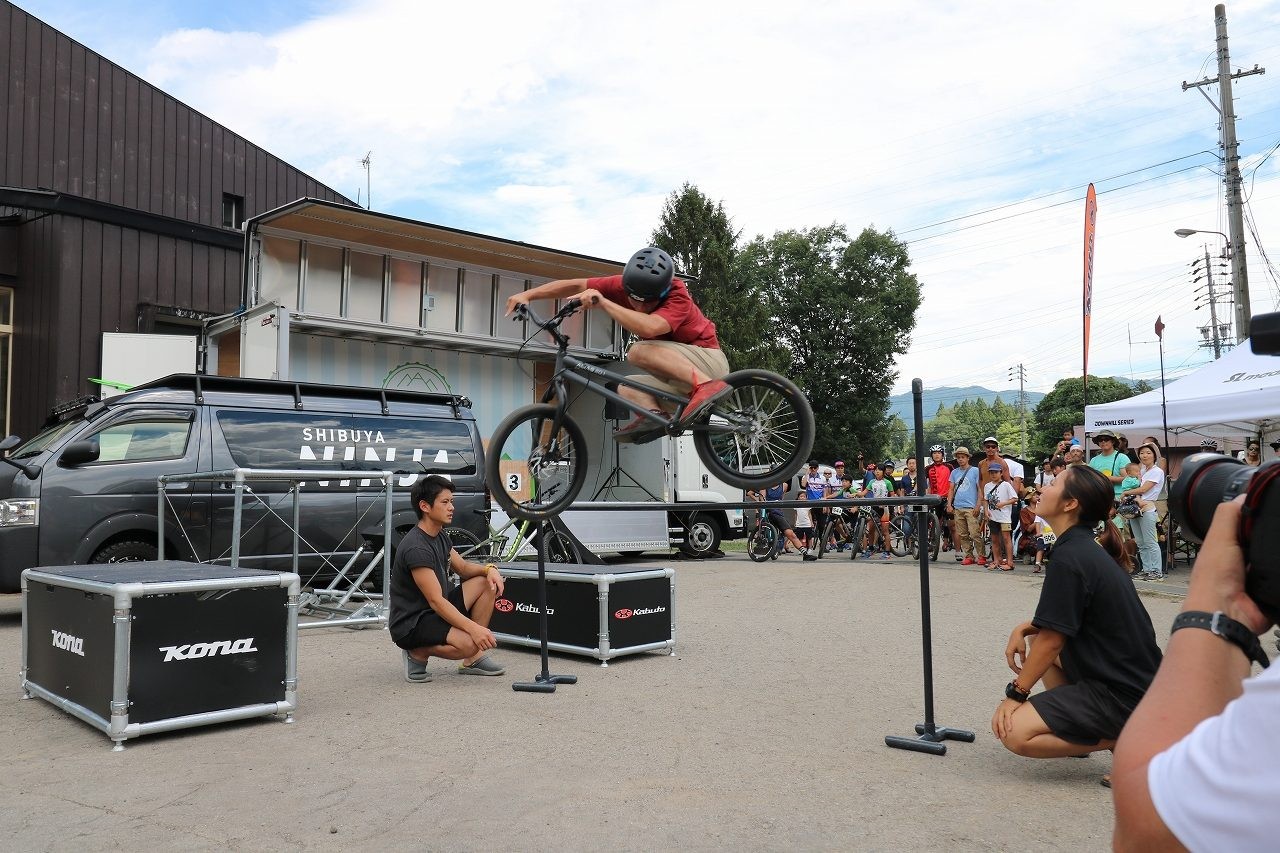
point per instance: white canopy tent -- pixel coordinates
(1239, 394)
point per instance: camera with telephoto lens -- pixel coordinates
(1208, 479)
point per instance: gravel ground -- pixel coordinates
(765, 731)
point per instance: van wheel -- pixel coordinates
(130, 551)
(702, 535)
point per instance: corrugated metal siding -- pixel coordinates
(79, 124)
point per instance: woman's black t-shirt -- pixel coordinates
(408, 604)
(1088, 597)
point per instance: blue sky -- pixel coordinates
(968, 130)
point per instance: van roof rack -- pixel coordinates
(199, 384)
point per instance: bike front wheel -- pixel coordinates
(759, 434)
(762, 542)
(545, 458)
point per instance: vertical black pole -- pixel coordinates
(543, 682)
(542, 599)
(929, 736)
(926, 622)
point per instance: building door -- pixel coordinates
(6, 356)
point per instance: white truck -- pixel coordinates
(340, 295)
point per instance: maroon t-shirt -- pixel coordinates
(688, 324)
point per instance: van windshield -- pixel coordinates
(45, 439)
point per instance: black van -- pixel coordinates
(87, 493)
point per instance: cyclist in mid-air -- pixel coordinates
(677, 345)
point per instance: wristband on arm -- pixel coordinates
(1226, 628)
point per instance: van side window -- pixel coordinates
(443, 446)
(144, 439)
(259, 439)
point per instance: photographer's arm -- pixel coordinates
(1200, 674)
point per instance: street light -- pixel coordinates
(1239, 284)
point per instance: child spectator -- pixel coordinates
(804, 524)
(997, 508)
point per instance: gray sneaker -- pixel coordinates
(415, 672)
(484, 666)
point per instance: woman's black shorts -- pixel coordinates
(1083, 712)
(431, 629)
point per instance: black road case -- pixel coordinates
(598, 611)
(137, 648)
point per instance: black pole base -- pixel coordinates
(930, 743)
(543, 683)
(533, 687)
(946, 734)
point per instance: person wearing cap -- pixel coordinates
(1010, 470)
(1122, 443)
(1108, 460)
(962, 502)
(815, 489)
(1074, 455)
(997, 508)
(1252, 453)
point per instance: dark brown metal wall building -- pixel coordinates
(113, 199)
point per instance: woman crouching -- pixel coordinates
(1090, 642)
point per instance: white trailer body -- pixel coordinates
(434, 321)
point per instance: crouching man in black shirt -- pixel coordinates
(427, 616)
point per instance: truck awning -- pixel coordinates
(309, 217)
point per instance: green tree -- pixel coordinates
(816, 281)
(700, 238)
(1063, 407)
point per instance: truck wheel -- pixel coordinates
(702, 535)
(129, 551)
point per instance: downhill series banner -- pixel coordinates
(1090, 223)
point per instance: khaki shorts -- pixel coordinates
(710, 361)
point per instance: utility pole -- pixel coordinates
(1214, 334)
(1020, 373)
(1231, 161)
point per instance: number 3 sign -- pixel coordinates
(513, 482)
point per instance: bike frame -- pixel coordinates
(570, 370)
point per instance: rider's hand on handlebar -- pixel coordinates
(515, 301)
(589, 297)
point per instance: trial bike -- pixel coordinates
(755, 436)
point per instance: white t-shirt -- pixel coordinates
(1155, 477)
(1216, 788)
(803, 519)
(1003, 492)
(1044, 478)
(1015, 468)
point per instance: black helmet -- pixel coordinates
(648, 274)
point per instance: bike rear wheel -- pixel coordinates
(560, 548)
(552, 447)
(467, 544)
(899, 537)
(762, 542)
(759, 434)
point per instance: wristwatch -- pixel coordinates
(1011, 691)
(1228, 629)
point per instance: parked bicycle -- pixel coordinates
(505, 547)
(755, 436)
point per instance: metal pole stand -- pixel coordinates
(930, 737)
(543, 682)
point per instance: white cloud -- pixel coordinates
(566, 124)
